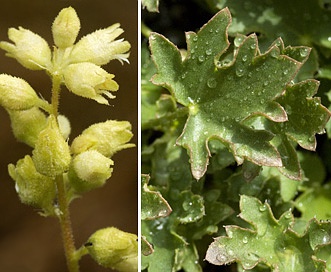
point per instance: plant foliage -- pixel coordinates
(227, 126)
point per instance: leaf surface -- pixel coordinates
(270, 241)
(222, 86)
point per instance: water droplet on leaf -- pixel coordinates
(319, 237)
(304, 52)
(238, 41)
(208, 52)
(211, 83)
(201, 58)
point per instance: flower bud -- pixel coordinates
(51, 155)
(89, 170)
(90, 81)
(16, 93)
(29, 49)
(32, 187)
(106, 137)
(65, 28)
(100, 47)
(28, 124)
(113, 248)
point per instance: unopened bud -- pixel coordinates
(28, 124)
(65, 28)
(113, 248)
(51, 155)
(16, 93)
(89, 170)
(32, 187)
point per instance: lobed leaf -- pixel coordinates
(270, 241)
(153, 205)
(223, 86)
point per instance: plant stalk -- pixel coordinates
(56, 83)
(66, 229)
(64, 214)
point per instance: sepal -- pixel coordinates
(113, 248)
(32, 187)
(107, 138)
(16, 93)
(28, 48)
(100, 47)
(65, 28)
(51, 155)
(89, 170)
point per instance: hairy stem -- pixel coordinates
(64, 214)
(66, 229)
(56, 82)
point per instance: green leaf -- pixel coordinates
(315, 202)
(153, 205)
(269, 241)
(222, 89)
(151, 5)
(164, 243)
(297, 21)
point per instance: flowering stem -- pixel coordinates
(56, 82)
(64, 214)
(66, 229)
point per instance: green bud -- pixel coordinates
(29, 49)
(16, 93)
(113, 248)
(89, 170)
(107, 138)
(65, 28)
(90, 81)
(51, 155)
(32, 187)
(28, 124)
(100, 47)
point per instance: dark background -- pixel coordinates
(28, 241)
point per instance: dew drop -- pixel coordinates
(187, 205)
(239, 72)
(238, 40)
(304, 52)
(253, 46)
(263, 207)
(209, 52)
(244, 58)
(319, 237)
(195, 38)
(285, 72)
(212, 83)
(201, 58)
(245, 240)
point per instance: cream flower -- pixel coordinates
(65, 28)
(100, 47)
(29, 49)
(16, 93)
(107, 138)
(90, 81)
